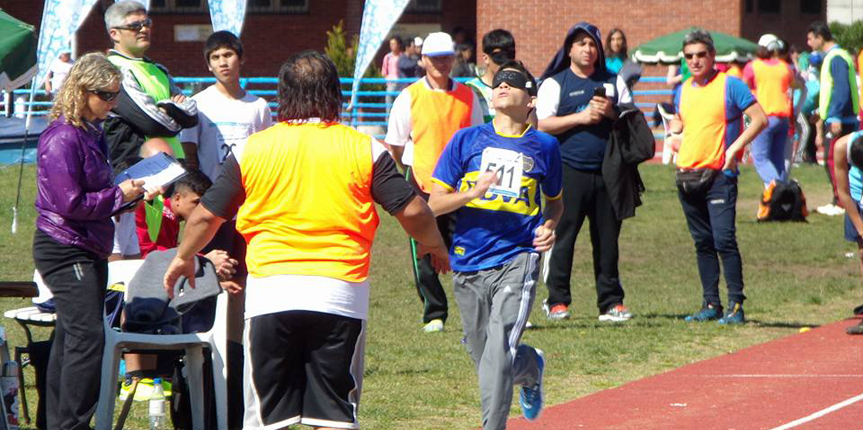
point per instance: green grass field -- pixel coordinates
(797, 275)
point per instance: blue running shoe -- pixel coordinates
(707, 313)
(530, 398)
(734, 316)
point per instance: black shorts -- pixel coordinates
(303, 367)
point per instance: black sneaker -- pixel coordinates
(855, 329)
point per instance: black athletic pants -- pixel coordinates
(585, 195)
(428, 285)
(78, 280)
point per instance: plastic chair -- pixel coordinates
(116, 343)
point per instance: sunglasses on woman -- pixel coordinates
(137, 25)
(107, 96)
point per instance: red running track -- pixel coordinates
(808, 381)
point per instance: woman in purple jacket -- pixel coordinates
(74, 234)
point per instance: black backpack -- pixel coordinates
(783, 201)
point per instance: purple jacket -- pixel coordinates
(76, 194)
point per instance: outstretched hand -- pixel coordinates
(179, 267)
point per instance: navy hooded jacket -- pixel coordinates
(583, 146)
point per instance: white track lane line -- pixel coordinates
(820, 413)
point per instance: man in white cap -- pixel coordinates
(58, 71)
(424, 117)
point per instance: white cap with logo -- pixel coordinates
(438, 44)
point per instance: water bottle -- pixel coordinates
(157, 406)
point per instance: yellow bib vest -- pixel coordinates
(827, 78)
(308, 208)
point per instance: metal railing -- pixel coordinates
(371, 109)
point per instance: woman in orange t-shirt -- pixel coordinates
(771, 80)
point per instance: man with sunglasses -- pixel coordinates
(710, 116)
(494, 176)
(425, 115)
(498, 47)
(848, 171)
(576, 104)
(149, 104)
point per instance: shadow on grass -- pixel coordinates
(781, 324)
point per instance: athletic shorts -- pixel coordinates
(851, 232)
(302, 367)
(125, 235)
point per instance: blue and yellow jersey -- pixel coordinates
(492, 230)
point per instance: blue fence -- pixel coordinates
(370, 109)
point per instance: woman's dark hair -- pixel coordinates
(623, 48)
(399, 42)
(763, 53)
(819, 28)
(222, 39)
(309, 88)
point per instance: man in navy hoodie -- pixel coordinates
(576, 104)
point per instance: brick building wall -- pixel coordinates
(268, 38)
(539, 26)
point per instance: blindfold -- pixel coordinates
(515, 80)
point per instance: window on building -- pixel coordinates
(810, 6)
(769, 6)
(425, 6)
(278, 6)
(180, 6)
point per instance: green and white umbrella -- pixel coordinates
(17, 52)
(669, 48)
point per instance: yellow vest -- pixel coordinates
(308, 207)
(771, 87)
(702, 110)
(826, 94)
(435, 117)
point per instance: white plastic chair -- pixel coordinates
(117, 342)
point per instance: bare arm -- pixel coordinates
(843, 188)
(544, 234)
(200, 229)
(443, 201)
(672, 78)
(418, 221)
(590, 115)
(397, 151)
(758, 121)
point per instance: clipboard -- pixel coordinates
(157, 171)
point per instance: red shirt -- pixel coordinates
(169, 232)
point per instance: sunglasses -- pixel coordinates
(107, 96)
(700, 54)
(137, 25)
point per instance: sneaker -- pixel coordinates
(434, 326)
(855, 329)
(618, 313)
(555, 312)
(707, 313)
(530, 398)
(734, 316)
(830, 210)
(144, 390)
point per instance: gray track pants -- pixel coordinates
(494, 307)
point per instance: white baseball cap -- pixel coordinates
(418, 41)
(438, 44)
(770, 41)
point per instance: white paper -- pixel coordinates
(509, 166)
(157, 171)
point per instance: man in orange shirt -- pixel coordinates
(304, 195)
(710, 117)
(423, 119)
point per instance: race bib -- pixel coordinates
(509, 167)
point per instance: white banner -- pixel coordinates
(228, 15)
(378, 18)
(60, 20)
